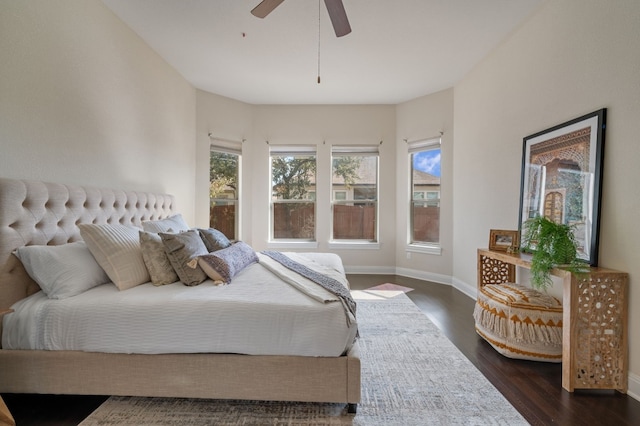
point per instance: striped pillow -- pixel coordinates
(116, 248)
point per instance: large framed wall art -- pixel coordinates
(562, 179)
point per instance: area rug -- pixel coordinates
(411, 375)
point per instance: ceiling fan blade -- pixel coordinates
(338, 17)
(265, 7)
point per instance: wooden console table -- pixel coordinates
(594, 320)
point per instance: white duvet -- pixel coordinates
(257, 314)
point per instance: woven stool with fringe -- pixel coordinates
(520, 322)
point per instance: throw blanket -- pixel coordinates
(325, 281)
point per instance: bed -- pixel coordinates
(40, 213)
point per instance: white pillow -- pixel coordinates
(174, 223)
(62, 271)
(117, 249)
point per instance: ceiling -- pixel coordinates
(398, 50)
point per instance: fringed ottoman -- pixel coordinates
(520, 322)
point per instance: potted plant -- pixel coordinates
(552, 244)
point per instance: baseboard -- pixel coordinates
(469, 290)
(423, 275)
(374, 270)
(414, 273)
(634, 386)
(405, 272)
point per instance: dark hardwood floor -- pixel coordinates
(534, 388)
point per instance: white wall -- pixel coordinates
(422, 118)
(571, 58)
(319, 125)
(86, 101)
(83, 100)
(324, 126)
(226, 119)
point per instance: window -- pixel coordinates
(339, 195)
(224, 173)
(424, 212)
(433, 198)
(355, 192)
(293, 190)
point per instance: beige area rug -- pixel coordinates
(411, 375)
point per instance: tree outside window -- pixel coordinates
(223, 192)
(293, 179)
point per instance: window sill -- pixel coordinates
(418, 248)
(292, 244)
(354, 245)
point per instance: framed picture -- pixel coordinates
(562, 179)
(502, 240)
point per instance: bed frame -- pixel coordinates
(34, 213)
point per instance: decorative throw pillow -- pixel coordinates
(176, 223)
(117, 249)
(156, 260)
(181, 249)
(224, 264)
(214, 239)
(62, 271)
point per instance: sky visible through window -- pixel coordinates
(427, 161)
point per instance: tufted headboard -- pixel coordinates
(39, 213)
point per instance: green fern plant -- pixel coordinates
(552, 244)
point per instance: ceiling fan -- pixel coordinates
(334, 7)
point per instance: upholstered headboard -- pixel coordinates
(39, 213)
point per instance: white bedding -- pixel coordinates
(257, 314)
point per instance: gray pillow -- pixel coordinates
(224, 264)
(183, 250)
(174, 223)
(214, 239)
(156, 260)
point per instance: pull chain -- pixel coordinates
(319, 41)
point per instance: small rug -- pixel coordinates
(411, 375)
(390, 287)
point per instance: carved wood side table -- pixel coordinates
(594, 330)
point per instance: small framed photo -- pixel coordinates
(503, 240)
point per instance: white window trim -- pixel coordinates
(413, 147)
(349, 151)
(292, 244)
(354, 245)
(231, 147)
(424, 248)
(284, 243)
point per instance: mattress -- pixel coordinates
(257, 314)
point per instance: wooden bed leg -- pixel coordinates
(5, 416)
(352, 408)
